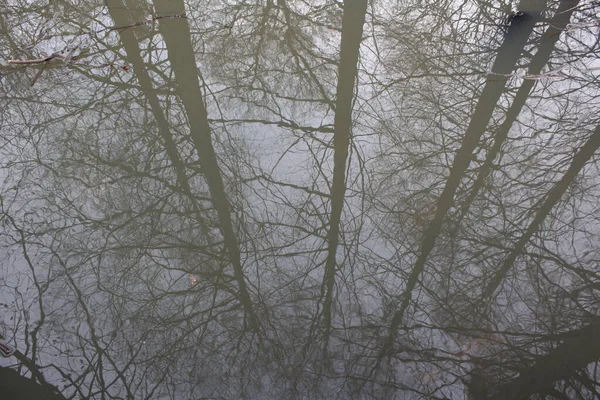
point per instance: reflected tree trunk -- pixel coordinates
(587, 151)
(181, 55)
(557, 24)
(508, 55)
(351, 37)
(123, 17)
(577, 351)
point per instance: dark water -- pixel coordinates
(300, 199)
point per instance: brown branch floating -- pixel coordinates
(57, 55)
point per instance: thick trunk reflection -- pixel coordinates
(181, 55)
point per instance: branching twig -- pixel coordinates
(115, 28)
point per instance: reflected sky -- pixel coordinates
(300, 199)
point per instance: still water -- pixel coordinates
(300, 199)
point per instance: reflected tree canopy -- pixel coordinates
(271, 199)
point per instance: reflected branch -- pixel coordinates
(584, 155)
(508, 55)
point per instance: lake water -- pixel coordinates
(292, 199)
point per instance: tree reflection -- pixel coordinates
(279, 199)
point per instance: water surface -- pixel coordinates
(265, 199)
